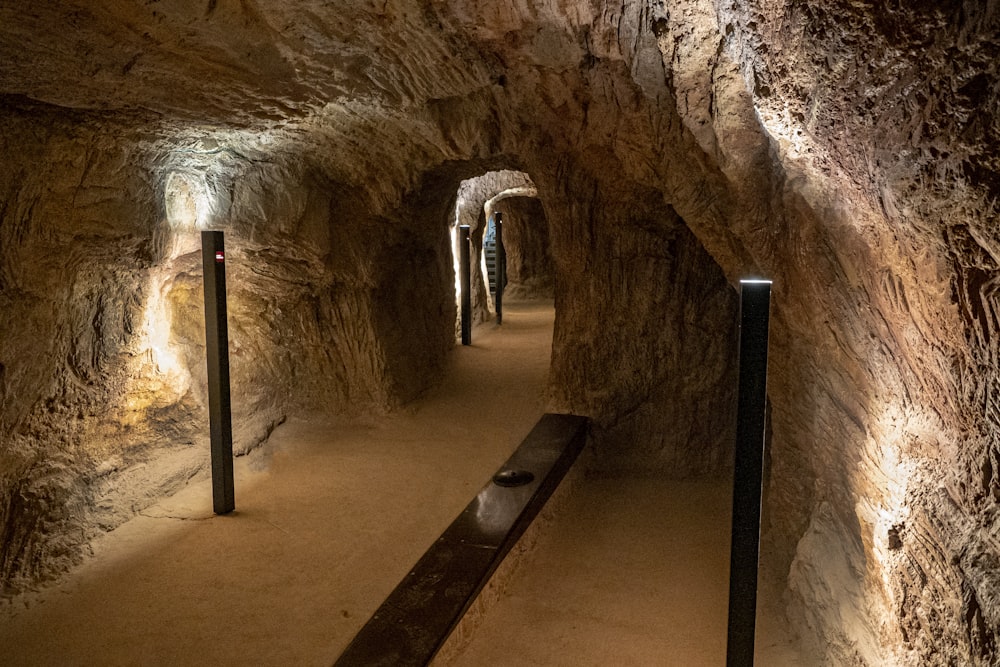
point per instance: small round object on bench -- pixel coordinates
(513, 478)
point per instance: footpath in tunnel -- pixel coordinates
(329, 516)
(332, 513)
(630, 572)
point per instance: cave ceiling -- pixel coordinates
(912, 82)
(233, 62)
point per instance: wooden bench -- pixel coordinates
(418, 616)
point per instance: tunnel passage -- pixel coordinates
(528, 268)
(475, 203)
(848, 150)
(339, 302)
(645, 319)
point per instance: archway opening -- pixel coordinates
(528, 269)
(526, 239)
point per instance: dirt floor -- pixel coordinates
(331, 514)
(630, 572)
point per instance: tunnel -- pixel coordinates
(645, 157)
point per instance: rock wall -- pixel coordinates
(878, 115)
(847, 150)
(104, 382)
(70, 314)
(645, 333)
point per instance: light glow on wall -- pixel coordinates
(187, 202)
(166, 368)
(883, 511)
(189, 208)
(156, 326)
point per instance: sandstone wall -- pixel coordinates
(332, 307)
(847, 150)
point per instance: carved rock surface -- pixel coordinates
(848, 150)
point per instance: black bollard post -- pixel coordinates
(465, 282)
(213, 256)
(501, 266)
(755, 300)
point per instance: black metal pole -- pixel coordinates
(755, 301)
(501, 267)
(213, 256)
(465, 282)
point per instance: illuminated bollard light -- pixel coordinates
(213, 256)
(465, 281)
(501, 265)
(755, 301)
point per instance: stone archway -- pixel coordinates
(476, 200)
(526, 237)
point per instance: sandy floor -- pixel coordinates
(324, 529)
(330, 517)
(631, 572)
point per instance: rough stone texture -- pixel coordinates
(644, 333)
(884, 120)
(103, 340)
(846, 149)
(475, 194)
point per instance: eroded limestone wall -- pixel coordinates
(645, 330)
(879, 118)
(72, 256)
(847, 150)
(333, 306)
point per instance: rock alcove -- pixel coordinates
(847, 150)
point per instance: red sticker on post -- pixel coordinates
(220, 256)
